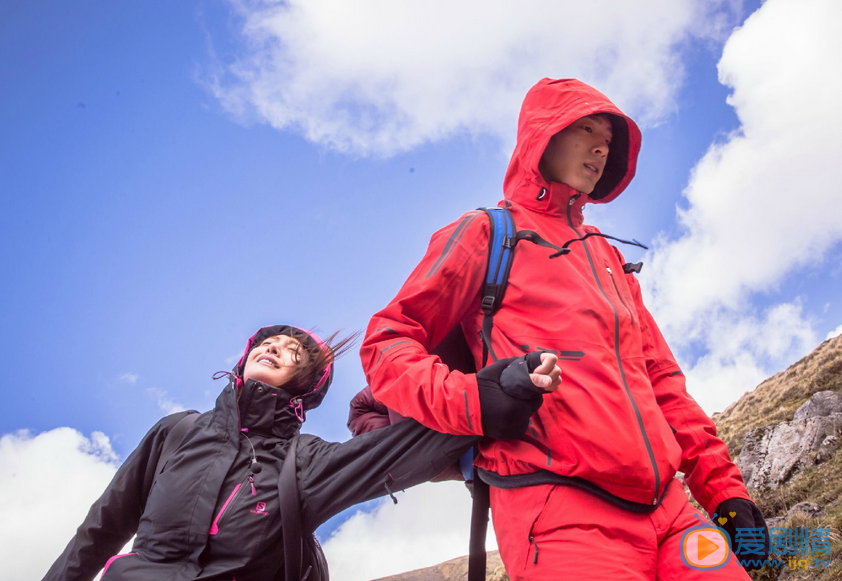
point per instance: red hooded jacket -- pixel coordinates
(622, 421)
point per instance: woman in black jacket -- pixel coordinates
(212, 513)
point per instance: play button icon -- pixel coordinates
(705, 547)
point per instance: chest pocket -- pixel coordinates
(241, 524)
(246, 512)
(619, 294)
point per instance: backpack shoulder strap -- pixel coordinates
(501, 246)
(174, 439)
(480, 505)
(290, 507)
(296, 554)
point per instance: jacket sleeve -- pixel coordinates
(708, 469)
(335, 476)
(114, 517)
(402, 373)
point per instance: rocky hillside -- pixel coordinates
(776, 399)
(454, 570)
(785, 436)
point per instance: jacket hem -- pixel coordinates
(547, 477)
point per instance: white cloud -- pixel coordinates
(165, 403)
(380, 77)
(47, 484)
(429, 525)
(130, 378)
(835, 333)
(740, 349)
(765, 202)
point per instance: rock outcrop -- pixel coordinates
(774, 454)
(776, 399)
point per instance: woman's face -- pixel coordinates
(275, 360)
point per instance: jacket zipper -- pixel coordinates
(619, 296)
(617, 354)
(232, 498)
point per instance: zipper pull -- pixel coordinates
(298, 407)
(251, 481)
(535, 557)
(608, 268)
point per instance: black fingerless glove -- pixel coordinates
(744, 514)
(507, 396)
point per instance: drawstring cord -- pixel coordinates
(536, 238)
(295, 403)
(389, 489)
(631, 242)
(232, 379)
(307, 573)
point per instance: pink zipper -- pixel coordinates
(215, 526)
(114, 558)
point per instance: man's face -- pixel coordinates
(577, 154)
(275, 360)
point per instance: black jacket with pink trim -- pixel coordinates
(208, 515)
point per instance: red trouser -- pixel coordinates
(558, 532)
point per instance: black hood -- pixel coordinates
(313, 395)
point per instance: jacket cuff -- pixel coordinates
(711, 505)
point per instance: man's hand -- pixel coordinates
(547, 375)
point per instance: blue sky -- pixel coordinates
(175, 175)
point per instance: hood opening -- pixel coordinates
(316, 383)
(550, 106)
(617, 164)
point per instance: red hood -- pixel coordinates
(550, 106)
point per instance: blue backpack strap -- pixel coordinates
(466, 465)
(501, 246)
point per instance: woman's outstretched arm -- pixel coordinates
(334, 476)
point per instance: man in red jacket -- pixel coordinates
(588, 487)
